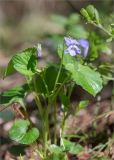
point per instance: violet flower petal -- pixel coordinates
(39, 53)
(70, 41)
(67, 41)
(74, 42)
(66, 51)
(85, 45)
(72, 50)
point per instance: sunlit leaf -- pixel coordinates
(20, 133)
(30, 136)
(84, 76)
(23, 62)
(10, 69)
(18, 129)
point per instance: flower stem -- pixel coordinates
(60, 68)
(40, 109)
(55, 118)
(37, 100)
(67, 113)
(101, 27)
(46, 126)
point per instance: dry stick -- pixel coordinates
(23, 115)
(16, 108)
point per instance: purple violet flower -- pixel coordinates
(39, 52)
(72, 46)
(75, 47)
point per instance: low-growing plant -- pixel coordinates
(52, 82)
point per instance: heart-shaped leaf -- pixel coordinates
(20, 133)
(18, 130)
(30, 136)
(23, 62)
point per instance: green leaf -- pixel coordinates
(13, 95)
(23, 62)
(64, 100)
(57, 157)
(91, 11)
(89, 79)
(84, 76)
(91, 14)
(18, 130)
(20, 133)
(93, 52)
(56, 149)
(57, 153)
(109, 39)
(83, 104)
(30, 136)
(72, 147)
(10, 69)
(97, 16)
(40, 86)
(85, 14)
(16, 91)
(49, 76)
(5, 101)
